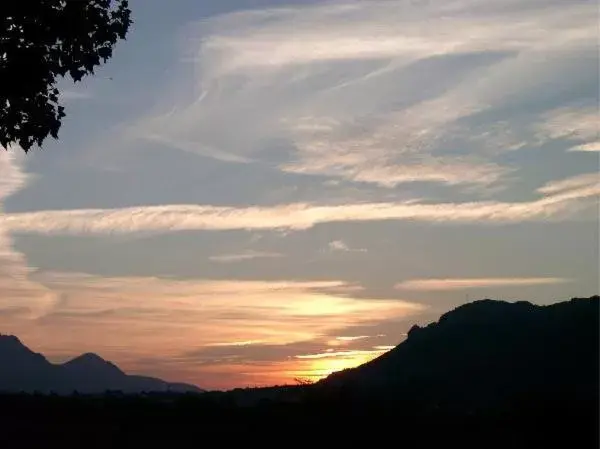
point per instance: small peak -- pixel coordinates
(11, 347)
(415, 329)
(6, 337)
(10, 341)
(91, 356)
(90, 360)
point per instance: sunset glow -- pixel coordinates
(329, 363)
(252, 192)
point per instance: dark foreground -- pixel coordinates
(313, 418)
(488, 374)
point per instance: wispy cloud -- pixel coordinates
(592, 146)
(167, 317)
(248, 255)
(17, 292)
(333, 354)
(70, 95)
(12, 176)
(381, 93)
(575, 183)
(355, 31)
(462, 284)
(560, 205)
(307, 358)
(236, 343)
(341, 246)
(352, 338)
(361, 162)
(573, 123)
(384, 347)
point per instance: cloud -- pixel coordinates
(574, 123)
(12, 176)
(592, 146)
(340, 246)
(350, 31)
(235, 343)
(352, 338)
(370, 161)
(305, 359)
(583, 181)
(248, 255)
(331, 354)
(69, 95)
(222, 318)
(384, 347)
(199, 148)
(561, 205)
(226, 310)
(251, 354)
(461, 284)
(18, 294)
(380, 93)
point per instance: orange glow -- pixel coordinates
(216, 334)
(322, 365)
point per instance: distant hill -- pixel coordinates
(486, 353)
(22, 370)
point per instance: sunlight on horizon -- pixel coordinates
(324, 364)
(257, 331)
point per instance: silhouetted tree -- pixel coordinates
(41, 41)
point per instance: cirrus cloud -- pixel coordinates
(379, 93)
(570, 196)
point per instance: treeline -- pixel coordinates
(314, 417)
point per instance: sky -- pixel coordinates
(252, 192)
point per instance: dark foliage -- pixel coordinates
(41, 41)
(207, 420)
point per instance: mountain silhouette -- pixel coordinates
(487, 353)
(487, 374)
(22, 370)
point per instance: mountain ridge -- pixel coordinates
(24, 370)
(478, 352)
(487, 352)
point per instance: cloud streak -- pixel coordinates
(567, 198)
(341, 246)
(574, 183)
(464, 284)
(378, 93)
(167, 317)
(12, 177)
(17, 292)
(353, 31)
(575, 123)
(335, 354)
(241, 257)
(587, 147)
